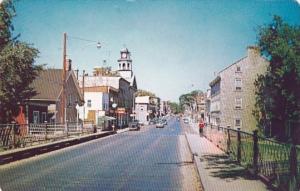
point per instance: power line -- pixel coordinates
(79, 38)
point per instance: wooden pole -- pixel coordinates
(63, 96)
(83, 76)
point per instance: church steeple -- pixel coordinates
(125, 67)
(125, 62)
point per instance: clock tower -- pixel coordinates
(125, 64)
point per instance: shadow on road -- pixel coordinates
(220, 165)
(183, 163)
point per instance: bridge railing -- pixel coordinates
(16, 135)
(277, 162)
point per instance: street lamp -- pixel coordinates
(114, 106)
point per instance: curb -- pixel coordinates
(195, 161)
(41, 149)
(122, 130)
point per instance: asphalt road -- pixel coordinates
(149, 159)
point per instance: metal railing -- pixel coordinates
(16, 135)
(278, 162)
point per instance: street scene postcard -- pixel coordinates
(154, 95)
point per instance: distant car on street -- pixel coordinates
(185, 120)
(134, 125)
(153, 121)
(160, 124)
(164, 121)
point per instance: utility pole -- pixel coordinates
(83, 75)
(63, 98)
(77, 73)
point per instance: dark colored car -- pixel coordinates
(153, 121)
(134, 125)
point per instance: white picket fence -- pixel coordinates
(49, 131)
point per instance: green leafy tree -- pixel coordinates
(175, 107)
(17, 69)
(277, 91)
(144, 93)
(187, 100)
(7, 12)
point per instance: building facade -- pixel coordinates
(110, 93)
(46, 106)
(146, 108)
(233, 92)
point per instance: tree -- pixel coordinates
(17, 69)
(277, 91)
(175, 107)
(7, 12)
(144, 93)
(189, 99)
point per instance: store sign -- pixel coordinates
(121, 111)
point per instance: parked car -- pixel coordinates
(160, 124)
(134, 125)
(164, 121)
(152, 121)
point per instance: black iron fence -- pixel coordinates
(277, 163)
(16, 135)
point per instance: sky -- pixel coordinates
(176, 46)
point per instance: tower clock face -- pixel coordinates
(124, 55)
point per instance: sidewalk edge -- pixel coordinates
(38, 150)
(195, 161)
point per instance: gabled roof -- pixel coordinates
(48, 84)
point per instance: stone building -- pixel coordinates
(233, 92)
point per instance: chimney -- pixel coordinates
(69, 64)
(253, 51)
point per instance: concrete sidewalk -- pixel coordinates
(217, 172)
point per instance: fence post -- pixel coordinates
(67, 127)
(46, 131)
(13, 123)
(238, 145)
(293, 168)
(94, 128)
(255, 151)
(228, 139)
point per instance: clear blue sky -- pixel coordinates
(174, 44)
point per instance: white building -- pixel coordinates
(106, 88)
(146, 108)
(141, 108)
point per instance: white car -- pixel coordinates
(160, 124)
(185, 120)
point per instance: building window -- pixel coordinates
(70, 100)
(215, 89)
(44, 117)
(238, 123)
(218, 121)
(238, 69)
(238, 84)
(36, 117)
(89, 103)
(124, 66)
(128, 66)
(238, 103)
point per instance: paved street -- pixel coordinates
(150, 159)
